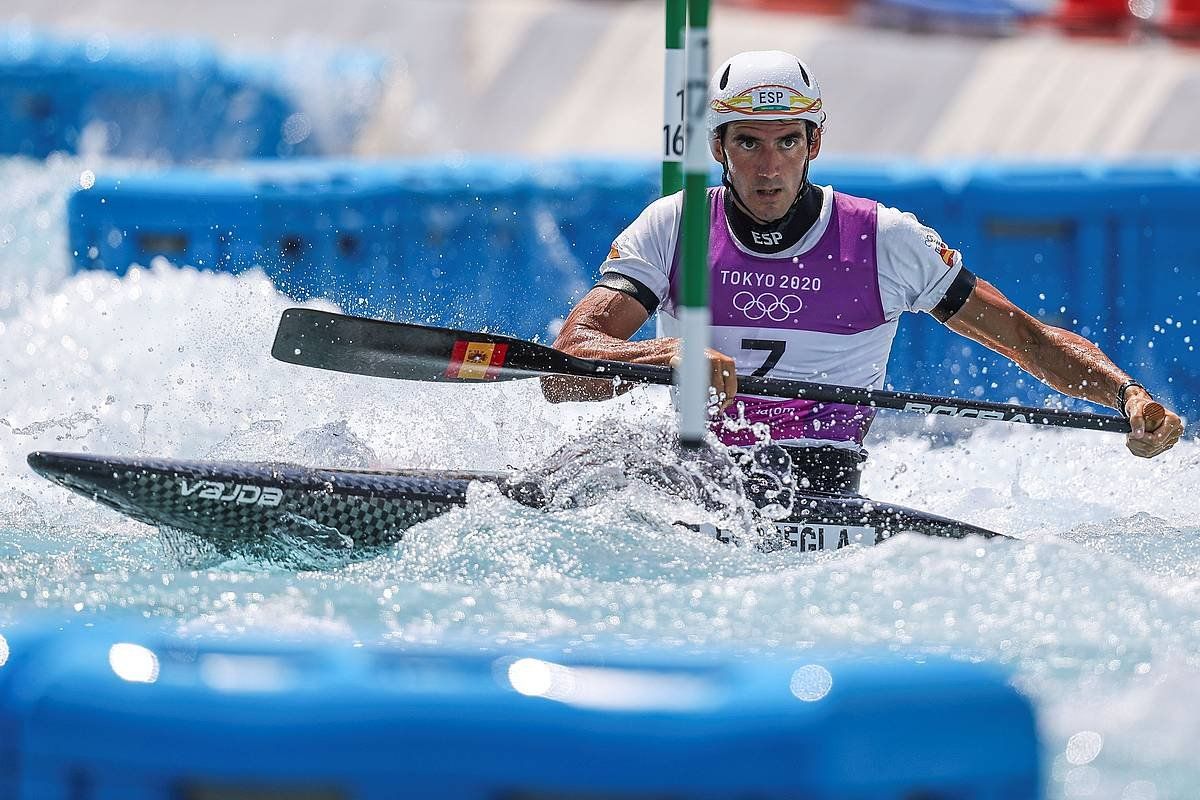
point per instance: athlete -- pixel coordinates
(808, 283)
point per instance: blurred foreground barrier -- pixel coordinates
(167, 100)
(1107, 250)
(131, 714)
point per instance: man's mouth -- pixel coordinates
(768, 194)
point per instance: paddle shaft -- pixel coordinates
(872, 398)
(426, 353)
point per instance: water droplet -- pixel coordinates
(811, 682)
(1140, 790)
(1083, 747)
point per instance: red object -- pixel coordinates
(1095, 17)
(1183, 20)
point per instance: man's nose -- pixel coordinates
(770, 164)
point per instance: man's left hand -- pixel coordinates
(1154, 429)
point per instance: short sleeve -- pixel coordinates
(644, 251)
(916, 267)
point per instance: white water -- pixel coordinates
(1097, 610)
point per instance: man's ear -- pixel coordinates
(814, 143)
(717, 148)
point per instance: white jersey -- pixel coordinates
(830, 303)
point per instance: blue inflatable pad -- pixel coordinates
(132, 714)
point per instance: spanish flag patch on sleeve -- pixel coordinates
(949, 255)
(476, 361)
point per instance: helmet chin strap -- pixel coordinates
(787, 215)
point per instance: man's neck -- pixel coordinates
(781, 234)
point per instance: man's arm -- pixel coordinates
(600, 327)
(1062, 359)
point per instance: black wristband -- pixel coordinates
(1121, 395)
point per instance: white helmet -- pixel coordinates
(763, 85)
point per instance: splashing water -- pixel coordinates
(619, 455)
(1096, 609)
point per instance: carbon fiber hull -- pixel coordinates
(230, 502)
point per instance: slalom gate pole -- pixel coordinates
(692, 377)
(673, 72)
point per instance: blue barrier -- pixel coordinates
(984, 10)
(1041, 235)
(1106, 250)
(475, 244)
(165, 100)
(996, 17)
(113, 225)
(1102, 250)
(1154, 279)
(137, 714)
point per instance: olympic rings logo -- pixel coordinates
(767, 304)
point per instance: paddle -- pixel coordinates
(381, 349)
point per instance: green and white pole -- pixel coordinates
(692, 377)
(673, 81)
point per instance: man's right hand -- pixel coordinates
(722, 376)
(1153, 428)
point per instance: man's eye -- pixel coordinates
(748, 144)
(790, 142)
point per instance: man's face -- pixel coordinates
(766, 162)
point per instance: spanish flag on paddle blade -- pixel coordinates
(476, 361)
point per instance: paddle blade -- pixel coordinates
(380, 349)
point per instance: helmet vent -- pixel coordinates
(725, 76)
(804, 74)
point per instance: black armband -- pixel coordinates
(634, 288)
(956, 295)
(1126, 386)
